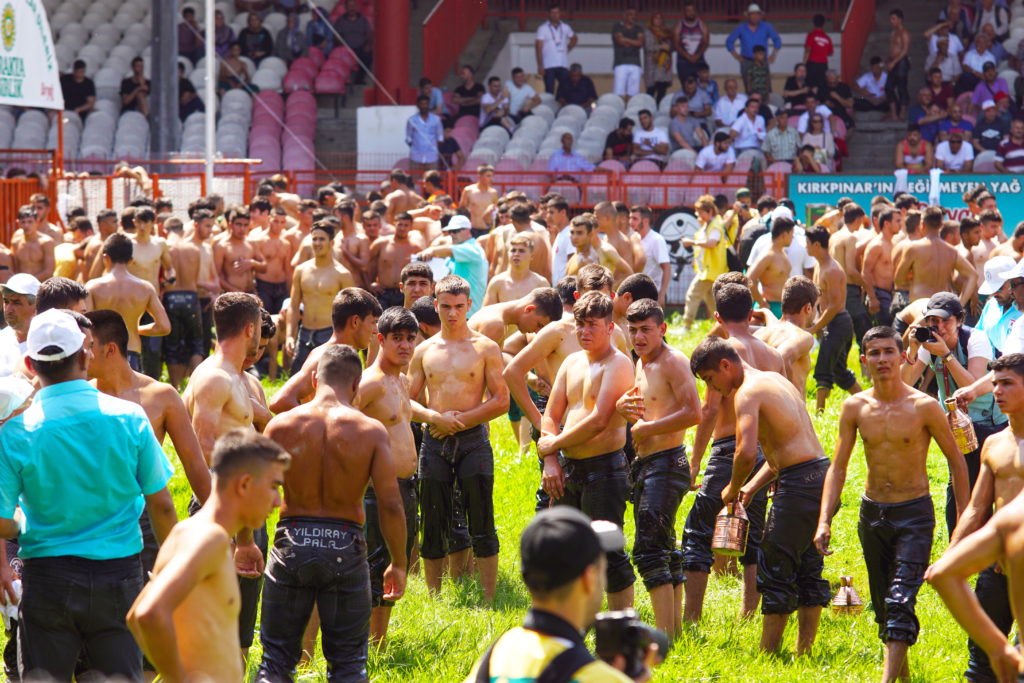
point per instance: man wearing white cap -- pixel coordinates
(799, 261)
(468, 260)
(81, 466)
(750, 34)
(19, 294)
(999, 313)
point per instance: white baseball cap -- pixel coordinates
(22, 283)
(998, 270)
(458, 223)
(54, 328)
(781, 212)
(754, 7)
(988, 104)
(14, 391)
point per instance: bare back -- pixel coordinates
(385, 398)
(784, 428)
(757, 354)
(931, 264)
(126, 294)
(187, 259)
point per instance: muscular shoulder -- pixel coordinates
(486, 346)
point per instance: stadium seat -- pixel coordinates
(985, 162)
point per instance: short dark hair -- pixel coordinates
(232, 311)
(452, 284)
(593, 277)
(881, 332)
(626, 122)
(734, 303)
(645, 309)
(59, 292)
(324, 226)
(145, 215)
(548, 303)
(353, 301)
(990, 216)
(558, 203)
(710, 352)
(426, 314)
(818, 20)
(968, 223)
(591, 306)
(782, 225)
(397, 319)
(887, 216)
(733, 277)
(268, 328)
(241, 451)
(341, 364)
(640, 286)
(797, 293)
(109, 326)
(566, 288)
(852, 213)
(261, 203)
(1011, 361)
(118, 247)
(819, 235)
(416, 269)
(932, 218)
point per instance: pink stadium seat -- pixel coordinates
(509, 165)
(780, 167)
(839, 128)
(679, 165)
(644, 167)
(297, 80)
(614, 166)
(743, 164)
(305, 64)
(317, 55)
(539, 164)
(985, 165)
(467, 122)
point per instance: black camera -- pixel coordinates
(924, 334)
(623, 633)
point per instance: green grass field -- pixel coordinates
(438, 639)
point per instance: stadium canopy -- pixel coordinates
(29, 76)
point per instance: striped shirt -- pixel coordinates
(1011, 154)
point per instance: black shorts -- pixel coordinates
(272, 294)
(306, 342)
(377, 554)
(897, 542)
(700, 523)
(660, 481)
(390, 297)
(185, 339)
(790, 566)
(250, 591)
(884, 315)
(465, 457)
(836, 342)
(322, 562)
(599, 486)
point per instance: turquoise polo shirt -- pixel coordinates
(79, 462)
(470, 263)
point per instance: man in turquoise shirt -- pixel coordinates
(467, 258)
(81, 465)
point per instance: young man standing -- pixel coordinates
(79, 536)
(897, 518)
(833, 323)
(235, 258)
(878, 268)
(478, 199)
(662, 404)
(388, 255)
(771, 411)
(658, 265)
(929, 264)
(129, 295)
(336, 451)
(789, 336)
(314, 285)
(582, 425)
(416, 280)
(457, 368)
(619, 236)
(183, 347)
(384, 396)
(186, 617)
(275, 251)
(770, 272)
(518, 280)
(354, 314)
(582, 238)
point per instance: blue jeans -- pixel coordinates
(72, 605)
(554, 76)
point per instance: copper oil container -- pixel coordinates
(731, 528)
(847, 600)
(963, 429)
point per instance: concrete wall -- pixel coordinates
(594, 52)
(380, 133)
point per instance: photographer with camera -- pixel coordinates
(957, 355)
(563, 564)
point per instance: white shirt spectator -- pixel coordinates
(801, 124)
(875, 87)
(709, 160)
(656, 250)
(561, 250)
(517, 97)
(976, 61)
(978, 346)
(953, 162)
(488, 98)
(726, 111)
(799, 260)
(11, 351)
(648, 140)
(749, 134)
(954, 48)
(555, 50)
